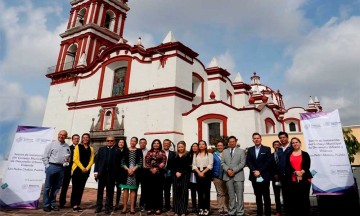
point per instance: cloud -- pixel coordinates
(226, 61)
(327, 64)
(27, 39)
(272, 19)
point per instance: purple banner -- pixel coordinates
(28, 129)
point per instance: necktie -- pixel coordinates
(231, 152)
(276, 158)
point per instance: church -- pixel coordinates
(103, 85)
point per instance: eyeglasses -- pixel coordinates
(109, 140)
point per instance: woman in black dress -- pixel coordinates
(122, 147)
(131, 163)
(181, 175)
(192, 184)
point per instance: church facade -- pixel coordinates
(104, 85)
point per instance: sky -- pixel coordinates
(301, 47)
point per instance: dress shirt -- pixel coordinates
(55, 153)
(203, 161)
(257, 150)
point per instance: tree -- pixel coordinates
(352, 144)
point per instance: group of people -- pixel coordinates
(159, 169)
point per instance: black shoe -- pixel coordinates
(61, 206)
(53, 208)
(47, 209)
(107, 211)
(98, 210)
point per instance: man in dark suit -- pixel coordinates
(284, 150)
(233, 162)
(276, 181)
(170, 155)
(258, 160)
(67, 172)
(104, 174)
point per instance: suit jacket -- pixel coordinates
(275, 168)
(305, 165)
(104, 165)
(169, 163)
(68, 169)
(261, 163)
(235, 163)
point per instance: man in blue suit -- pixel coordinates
(258, 160)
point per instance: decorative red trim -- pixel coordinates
(247, 93)
(215, 102)
(112, 118)
(269, 120)
(164, 132)
(241, 86)
(202, 85)
(70, 18)
(101, 81)
(146, 95)
(217, 78)
(86, 14)
(217, 71)
(174, 46)
(211, 116)
(78, 51)
(92, 12)
(85, 41)
(127, 75)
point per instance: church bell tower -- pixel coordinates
(93, 26)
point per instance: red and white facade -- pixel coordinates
(163, 91)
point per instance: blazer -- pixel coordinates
(101, 166)
(261, 163)
(169, 163)
(235, 163)
(125, 161)
(77, 162)
(305, 165)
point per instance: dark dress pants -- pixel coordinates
(108, 181)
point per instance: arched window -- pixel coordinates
(70, 57)
(212, 126)
(119, 81)
(109, 20)
(80, 17)
(269, 125)
(107, 120)
(292, 127)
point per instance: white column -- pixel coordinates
(73, 19)
(89, 14)
(93, 51)
(119, 25)
(100, 14)
(87, 45)
(93, 18)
